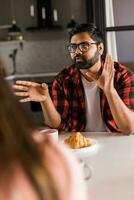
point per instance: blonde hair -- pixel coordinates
(17, 143)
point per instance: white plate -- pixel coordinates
(87, 151)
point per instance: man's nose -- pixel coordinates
(78, 51)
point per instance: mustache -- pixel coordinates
(80, 62)
(78, 57)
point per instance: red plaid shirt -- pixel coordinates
(69, 100)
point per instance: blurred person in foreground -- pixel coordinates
(92, 94)
(31, 168)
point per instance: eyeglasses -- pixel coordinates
(83, 47)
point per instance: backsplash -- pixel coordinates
(35, 56)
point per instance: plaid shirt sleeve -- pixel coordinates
(124, 84)
(126, 88)
(59, 97)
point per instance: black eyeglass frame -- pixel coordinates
(79, 46)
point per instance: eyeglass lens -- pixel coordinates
(83, 47)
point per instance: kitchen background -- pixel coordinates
(43, 49)
(38, 52)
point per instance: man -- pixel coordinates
(90, 95)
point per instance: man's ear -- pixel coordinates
(100, 48)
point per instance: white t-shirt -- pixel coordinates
(93, 110)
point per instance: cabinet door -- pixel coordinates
(44, 13)
(5, 12)
(25, 13)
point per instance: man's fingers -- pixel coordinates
(25, 100)
(21, 94)
(92, 75)
(44, 86)
(20, 87)
(109, 64)
(112, 73)
(106, 62)
(27, 83)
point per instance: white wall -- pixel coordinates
(124, 15)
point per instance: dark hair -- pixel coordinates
(90, 28)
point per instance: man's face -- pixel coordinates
(86, 53)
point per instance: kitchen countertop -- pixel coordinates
(31, 75)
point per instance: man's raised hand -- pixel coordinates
(31, 91)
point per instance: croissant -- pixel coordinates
(77, 140)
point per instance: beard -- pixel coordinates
(83, 63)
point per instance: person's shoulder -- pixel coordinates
(122, 69)
(67, 72)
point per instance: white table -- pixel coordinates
(113, 168)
